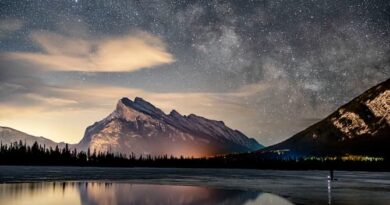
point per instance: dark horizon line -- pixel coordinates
(38, 155)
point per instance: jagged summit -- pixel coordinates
(141, 128)
(141, 105)
(175, 113)
(360, 127)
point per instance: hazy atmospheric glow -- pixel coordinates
(266, 68)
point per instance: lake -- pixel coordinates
(21, 185)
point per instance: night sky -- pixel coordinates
(266, 68)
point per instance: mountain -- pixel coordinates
(9, 135)
(360, 127)
(139, 127)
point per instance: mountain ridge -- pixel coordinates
(10, 135)
(359, 127)
(136, 126)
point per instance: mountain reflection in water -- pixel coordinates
(100, 193)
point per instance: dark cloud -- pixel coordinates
(18, 79)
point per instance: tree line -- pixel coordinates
(18, 153)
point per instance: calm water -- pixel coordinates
(103, 186)
(100, 193)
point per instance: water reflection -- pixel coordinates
(329, 192)
(100, 193)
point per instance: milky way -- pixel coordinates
(267, 68)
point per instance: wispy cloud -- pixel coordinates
(9, 25)
(112, 54)
(52, 111)
(62, 112)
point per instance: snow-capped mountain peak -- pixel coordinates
(141, 128)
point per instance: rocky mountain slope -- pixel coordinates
(139, 127)
(9, 135)
(360, 127)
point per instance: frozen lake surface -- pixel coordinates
(92, 185)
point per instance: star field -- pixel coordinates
(267, 68)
